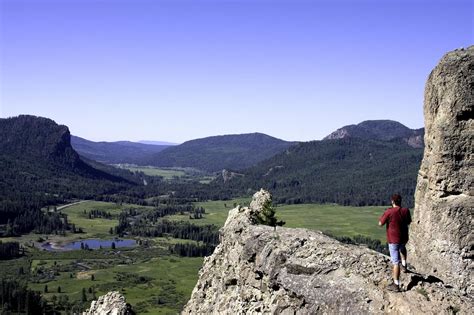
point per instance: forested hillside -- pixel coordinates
(347, 171)
(39, 167)
(221, 152)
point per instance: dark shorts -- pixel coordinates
(395, 252)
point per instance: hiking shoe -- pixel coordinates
(405, 269)
(393, 287)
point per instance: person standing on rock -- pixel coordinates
(396, 220)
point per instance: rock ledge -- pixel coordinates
(256, 269)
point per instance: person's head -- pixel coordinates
(396, 200)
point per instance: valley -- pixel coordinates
(236, 157)
(73, 228)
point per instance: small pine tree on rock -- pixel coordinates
(267, 216)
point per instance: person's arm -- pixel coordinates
(383, 218)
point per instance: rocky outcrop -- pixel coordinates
(442, 241)
(113, 303)
(258, 269)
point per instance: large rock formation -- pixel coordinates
(257, 269)
(113, 303)
(442, 242)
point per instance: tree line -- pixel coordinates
(178, 229)
(15, 297)
(192, 250)
(9, 250)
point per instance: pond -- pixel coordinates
(90, 243)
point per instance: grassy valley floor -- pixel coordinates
(152, 280)
(334, 219)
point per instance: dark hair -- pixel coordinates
(397, 199)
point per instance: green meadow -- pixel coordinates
(166, 173)
(151, 279)
(330, 218)
(154, 285)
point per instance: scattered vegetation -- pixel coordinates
(423, 292)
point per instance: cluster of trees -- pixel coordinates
(197, 213)
(9, 250)
(92, 214)
(33, 219)
(192, 250)
(15, 297)
(145, 218)
(165, 210)
(62, 303)
(178, 229)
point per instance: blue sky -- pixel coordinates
(179, 70)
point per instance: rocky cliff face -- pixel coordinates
(256, 269)
(442, 241)
(113, 303)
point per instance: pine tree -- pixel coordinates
(267, 216)
(84, 295)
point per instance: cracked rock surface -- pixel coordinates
(256, 269)
(442, 242)
(113, 303)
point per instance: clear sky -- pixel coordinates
(179, 70)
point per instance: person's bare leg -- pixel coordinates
(403, 256)
(396, 273)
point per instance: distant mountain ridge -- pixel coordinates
(347, 171)
(216, 153)
(115, 152)
(384, 130)
(158, 142)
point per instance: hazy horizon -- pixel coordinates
(180, 70)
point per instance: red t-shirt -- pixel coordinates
(397, 220)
